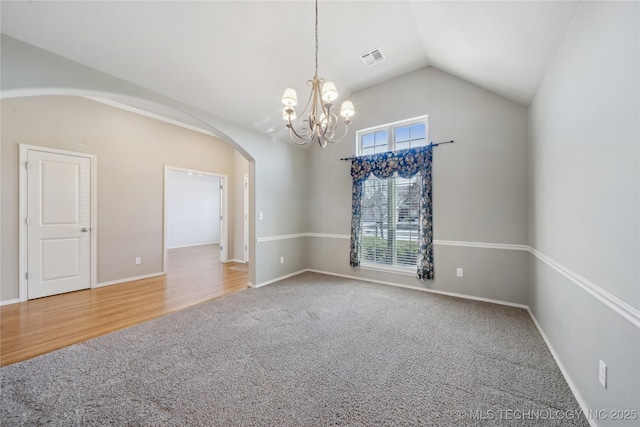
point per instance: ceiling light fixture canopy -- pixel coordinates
(316, 120)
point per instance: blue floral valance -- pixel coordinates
(383, 165)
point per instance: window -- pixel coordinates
(392, 137)
(390, 207)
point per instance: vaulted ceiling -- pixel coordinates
(235, 58)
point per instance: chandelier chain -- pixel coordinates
(316, 39)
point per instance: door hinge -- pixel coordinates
(26, 276)
(26, 221)
(221, 248)
(26, 165)
(221, 186)
(220, 217)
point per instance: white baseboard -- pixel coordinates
(128, 279)
(565, 374)
(236, 260)
(268, 282)
(98, 285)
(193, 246)
(451, 294)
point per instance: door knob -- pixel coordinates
(84, 229)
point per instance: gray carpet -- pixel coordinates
(312, 350)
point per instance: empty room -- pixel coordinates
(311, 213)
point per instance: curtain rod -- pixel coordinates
(430, 145)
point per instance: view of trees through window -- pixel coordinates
(390, 216)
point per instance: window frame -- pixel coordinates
(391, 130)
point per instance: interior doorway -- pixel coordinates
(195, 211)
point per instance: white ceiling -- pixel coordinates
(235, 58)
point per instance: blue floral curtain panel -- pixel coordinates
(406, 163)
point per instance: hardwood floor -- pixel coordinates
(42, 325)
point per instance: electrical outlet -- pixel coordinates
(138, 261)
(260, 216)
(602, 374)
(281, 260)
(459, 272)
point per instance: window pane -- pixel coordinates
(417, 131)
(403, 145)
(381, 148)
(390, 217)
(367, 140)
(407, 198)
(418, 143)
(402, 134)
(381, 137)
(367, 151)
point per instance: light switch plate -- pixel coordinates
(602, 374)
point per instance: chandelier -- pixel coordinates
(317, 120)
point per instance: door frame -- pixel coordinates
(23, 260)
(224, 211)
(246, 218)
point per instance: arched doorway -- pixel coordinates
(188, 121)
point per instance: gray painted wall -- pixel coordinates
(584, 201)
(479, 183)
(281, 199)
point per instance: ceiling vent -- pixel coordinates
(373, 57)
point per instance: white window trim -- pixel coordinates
(391, 127)
(385, 268)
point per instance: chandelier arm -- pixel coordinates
(331, 124)
(302, 113)
(334, 121)
(333, 141)
(306, 138)
(291, 125)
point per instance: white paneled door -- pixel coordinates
(59, 223)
